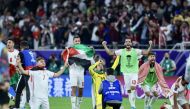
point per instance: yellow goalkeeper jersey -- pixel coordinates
(97, 79)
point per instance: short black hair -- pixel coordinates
(151, 53)
(128, 37)
(76, 36)
(39, 58)
(24, 45)
(110, 71)
(11, 39)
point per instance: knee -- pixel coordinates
(133, 87)
(155, 94)
(147, 94)
(129, 91)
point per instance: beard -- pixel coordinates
(152, 63)
(128, 46)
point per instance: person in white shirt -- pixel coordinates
(12, 56)
(178, 97)
(39, 95)
(76, 74)
(129, 65)
(187, 70)
(167, 29)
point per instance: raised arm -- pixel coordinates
(108, 51)
(92, 67)
(61, 71)
(145, 52)
(116, 62)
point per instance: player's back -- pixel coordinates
(28, 59)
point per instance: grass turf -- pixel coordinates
(65, 103)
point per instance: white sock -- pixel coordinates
(78, 102)
(152, 100)
(146, 102)
(132, 98)
(73, 102)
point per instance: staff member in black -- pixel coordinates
(28, 61)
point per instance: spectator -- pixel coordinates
(168, 65)
(177, 24)
(114, 34)
(167, 29)
(185, 31)
(99, 20)
(52, 63)
(22, 10)
(95, 38)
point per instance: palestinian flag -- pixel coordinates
(79, 54)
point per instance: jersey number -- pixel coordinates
(134, 82)
(11, 59)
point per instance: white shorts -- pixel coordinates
(147, 88)
(130, 80)
(36, 103)
(181, 100)
(76, 74)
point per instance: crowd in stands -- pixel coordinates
(51, 24)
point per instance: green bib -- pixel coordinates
(129, 62)
(151, 78)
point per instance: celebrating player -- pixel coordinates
(177, 98)
(129, 65)
(40, 78)
(98, 75)
(151, 76)
(76, 74)
(12, 55)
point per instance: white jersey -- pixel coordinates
(181, 99)
(12, 55)
(179, 90)
(39, 86)
(187, 70)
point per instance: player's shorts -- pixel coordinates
(76, 74)
(180, 99)
(39, 103)
(147, 88)
(130, 80)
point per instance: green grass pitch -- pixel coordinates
(65, 103)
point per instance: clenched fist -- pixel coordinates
(104, 43)
(150, 42)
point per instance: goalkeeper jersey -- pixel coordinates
(97, 79)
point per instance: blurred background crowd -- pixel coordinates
(51, 24)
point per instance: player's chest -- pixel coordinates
(12, 57)
(42, 77)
